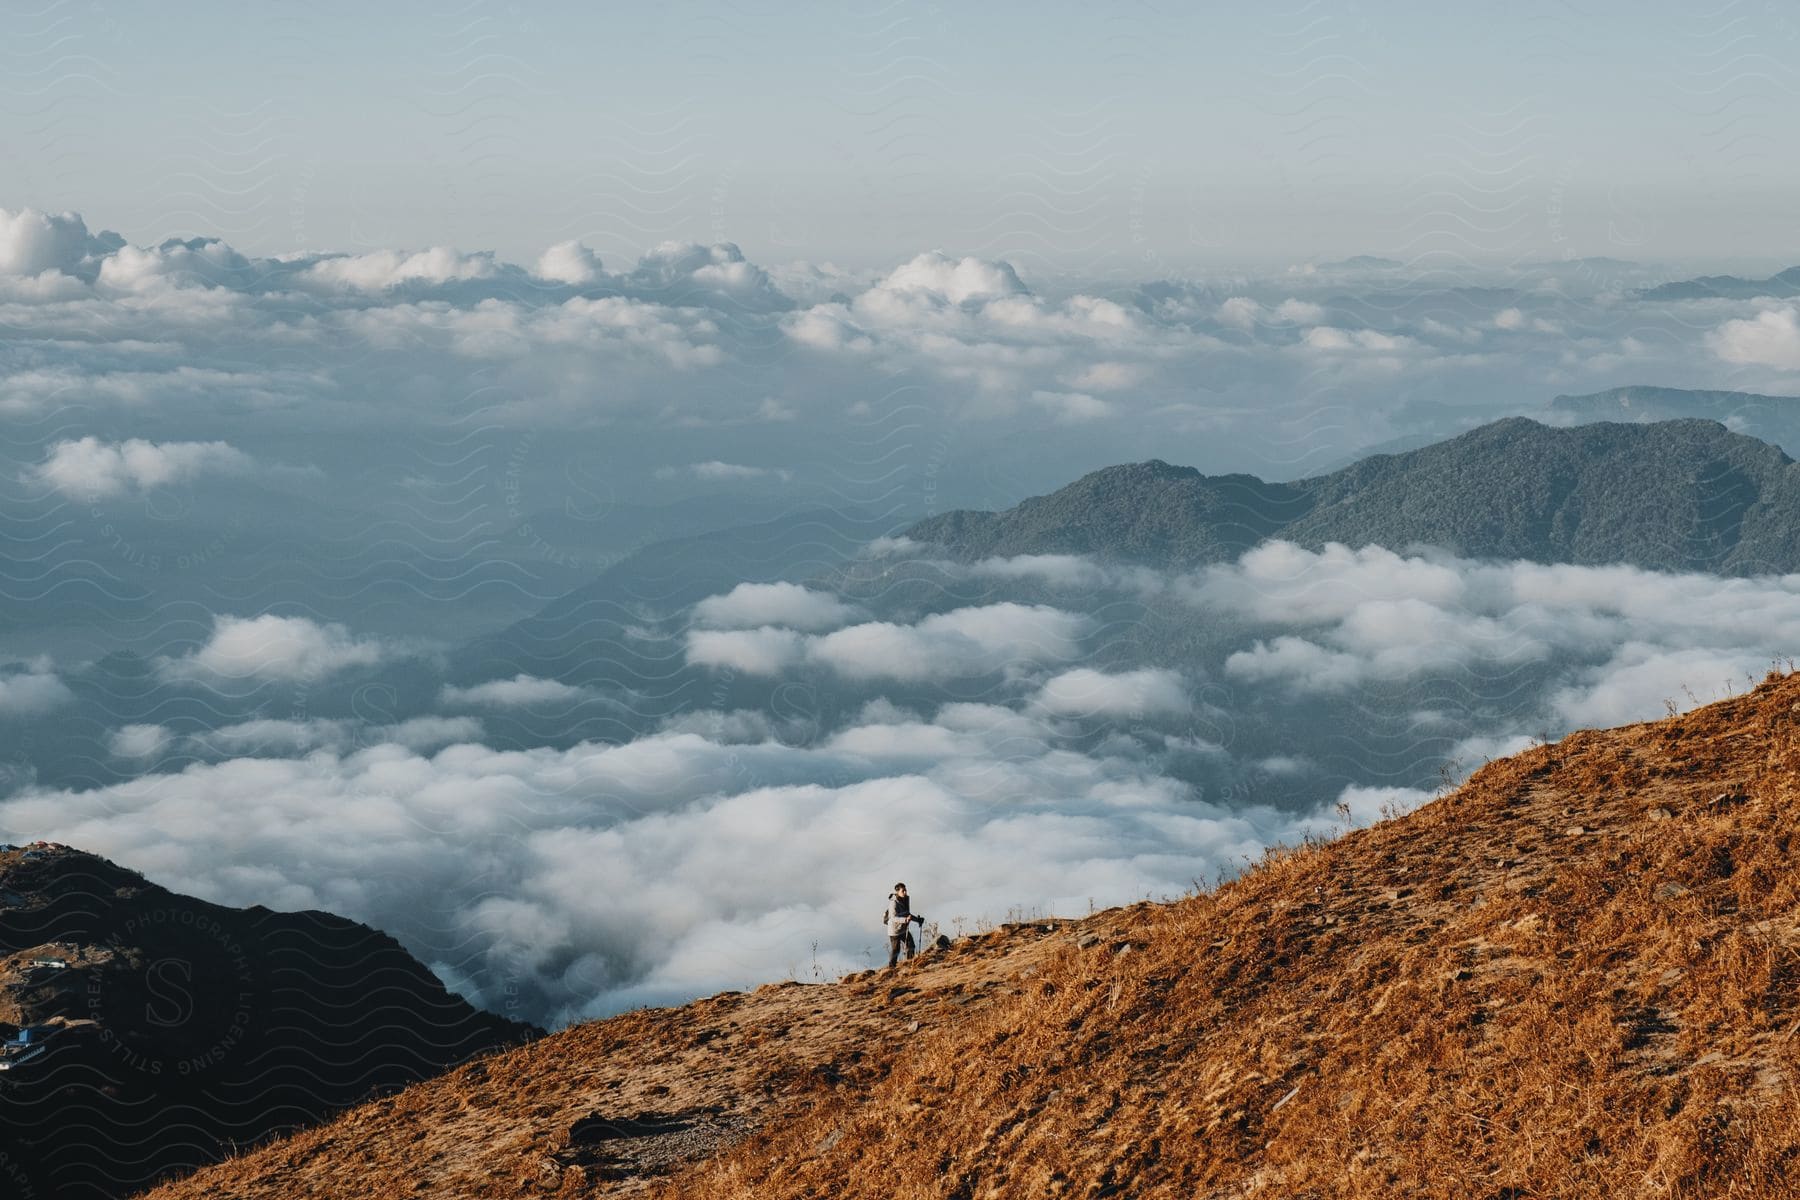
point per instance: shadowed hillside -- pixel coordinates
(1675, 495)
(148, 1033)
(1575, 976)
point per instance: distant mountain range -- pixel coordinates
(1726, 287)
(1771, 418)
(1672, 495)
(1361, 262)
(569, 632)
(144, 1033)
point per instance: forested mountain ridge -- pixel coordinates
(1685, 495)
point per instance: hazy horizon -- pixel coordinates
(1088, 141)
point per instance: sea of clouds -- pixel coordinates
(258, 505)
(1003, 755)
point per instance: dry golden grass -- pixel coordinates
(1576, 976)
(535, 1120)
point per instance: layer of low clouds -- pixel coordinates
(698, 335)
(957, 644)
(588, 879)
(1039, 731)
(145, 744)
(1622, 640)
(1069, 732)
(383, 270)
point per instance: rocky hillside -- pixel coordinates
(147, 1033)
(1578, 975)
(1673, 495)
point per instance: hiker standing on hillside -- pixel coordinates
(899, 920)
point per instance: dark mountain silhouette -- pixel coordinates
(1674, 495)
(150, 1033)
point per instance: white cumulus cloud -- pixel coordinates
(752, 651)
(952, 279)
(568, 262)
(379, 270)
(269, 647)
(1085, 692)
(1769, 339)
(33, 242)
(521, 691)
(93, 469)
(140, 741)
(27, 689)
(962, 642)
(1618, 641)
(749, 605)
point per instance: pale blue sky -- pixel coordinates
(1089, 139)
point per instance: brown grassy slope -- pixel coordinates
(1575, 976)
(602, 1108)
